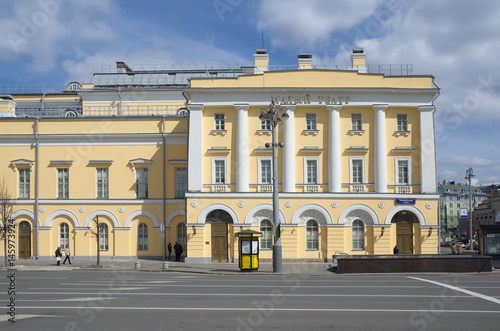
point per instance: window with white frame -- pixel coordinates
(63, 234)
(356, 122)
(219, 171)
(312, 235)
(141, 183)
(142, 237)
(402, 122)
(102, 183)
(180, 182)
(311, 170)
(24, 183)
(265, 125)
(311, 122)
(103, 237)
(265, 171)
(266, 228)
(62, 183)
(358, 235)
(219, 122)
(357, 170)
(403, 169)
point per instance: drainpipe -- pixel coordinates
(164, 172)
(37, 170)
(187, 154)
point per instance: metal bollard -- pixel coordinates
(138, 265)
(165, 265)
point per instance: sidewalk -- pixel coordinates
(265, 268)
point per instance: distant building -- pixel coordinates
(487, 224)
(453, 197)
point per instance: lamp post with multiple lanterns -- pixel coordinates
(469, 174)
(274, 116)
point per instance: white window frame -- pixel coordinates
(311, 123)
(353, 121)
(265, 125)
(260, 160)
(103, 237)
(220, 122)
(63, 183)
(181, 182)
(142, 237)
(63, 234)
(396, 170)
(24, 187)
(306, 177)
(404, 122)
(105, 185)
(356, 240)
(351, 168)
(312, 235)
(266, 241)
(141, 187)
(214, 173)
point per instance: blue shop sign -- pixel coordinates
(403, 201)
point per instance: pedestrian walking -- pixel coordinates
(169, 248)
(67, 252)
(395, 250)
(58, 255)
(178, 251)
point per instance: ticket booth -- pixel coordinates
(249, 249)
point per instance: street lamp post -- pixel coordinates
(469, 174)
(274, 116)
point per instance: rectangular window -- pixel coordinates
(102, 183)
(357, 171)
(180, 182)
(311, 122)
(265, 171)
(219, 122)
(356, 122)
(24, 183)
(63, 183)
(403, 172)
(265, 125)
(311, 171)
(402, 123)
(219, 171)
(141, 183)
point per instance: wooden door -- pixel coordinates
(24, 241)
(219, 242)
(405, 237)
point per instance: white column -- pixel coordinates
(380, 149)
(242, 155)
(195, 148)
(427, 150)
(289, 151)
(334, 166)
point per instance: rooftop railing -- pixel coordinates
(103, 111)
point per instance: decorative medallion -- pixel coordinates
(241, 203)
(381, 204)
(194, 203)
(81, 209)
(335, 204)
(42, 209)
(121, 209)
(288, 204)
(160, 209)
(428, 205)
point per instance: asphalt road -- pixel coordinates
(98, 300)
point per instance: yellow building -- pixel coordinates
(187, 149)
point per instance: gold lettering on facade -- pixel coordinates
(306, 99)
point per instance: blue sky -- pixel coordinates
(457, 41)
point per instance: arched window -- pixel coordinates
(103, 237)
(266, 229)
(142, 237)
(358, 235)
(63, 235)
(181, 234)
(312, 235)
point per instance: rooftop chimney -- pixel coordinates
(358, 59)
(122, 67)
(261, 60)
(305, 61)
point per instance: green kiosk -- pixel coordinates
(249, 249)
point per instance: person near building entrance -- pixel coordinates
(178, 251)
(395, 249)
(453, 248)
(67, 252)
(169, 248)
(58, 255)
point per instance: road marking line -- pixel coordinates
(475, 294)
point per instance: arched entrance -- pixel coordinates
(24, 240)
(404, 220)
(219, 220)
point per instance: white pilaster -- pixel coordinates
(195, 149)
(334, 166)
(289, 151)
(380, 149)
(427, 150)
(242, 155)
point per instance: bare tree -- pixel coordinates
(6, 210)
(96, 233)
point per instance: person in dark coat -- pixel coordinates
(178, 251)
(169, 248)
(396, 249)
(58, 255)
